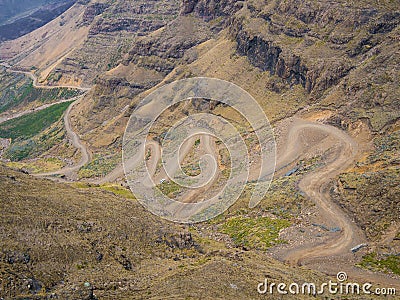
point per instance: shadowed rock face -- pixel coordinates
(209, 10)
(306, 24)
(264, 53)
(92, 11)
(266, 56)
(34, 20)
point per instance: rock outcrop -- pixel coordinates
(92, 11)
(209, 10)
(269, 57)
(281, 39)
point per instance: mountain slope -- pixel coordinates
(88, 235)
(86, 40)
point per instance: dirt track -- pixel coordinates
(76, 142)
(302, 138)
(314, 184)
(74, 138)
(316, 137)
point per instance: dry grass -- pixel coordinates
(61, 237)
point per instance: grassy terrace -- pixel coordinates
(35, 133)
(17, 90)
(27, 126)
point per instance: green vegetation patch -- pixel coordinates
(390, 263)
(118, 190)
(100, 166)
(16, 90)
(372, 198)
(169, 188)
(39, 166)
(39, 144)
(27, 126)
(260, 233)
(113, 188)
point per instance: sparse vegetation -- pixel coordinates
(99, 166)
(260, 233)
(27, 126)
(388, 263)
(372, 199)
(283, 197)
(370, 191)
(16, 90)
(116, 189)
(169, 188)
(112, 243)
(341, 57)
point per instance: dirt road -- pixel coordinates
(35, 80)
(342, 151)
(77, 143)
(36, 109)
(303, 138)
(72, 135)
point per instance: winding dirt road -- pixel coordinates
(36, 109)
(72, 135)
(342, 153)
(76, 142)
(303, 138)
(35, 80)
